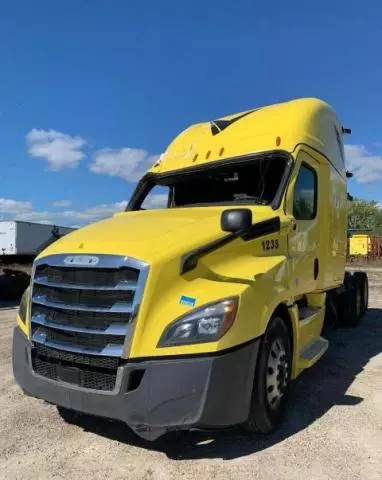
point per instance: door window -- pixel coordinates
(157, 198)
(305, 194)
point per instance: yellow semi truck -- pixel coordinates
(200, 313)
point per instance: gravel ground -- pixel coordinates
(333, 430)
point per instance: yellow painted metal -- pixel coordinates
(23, 323)
(308, 121)
(23, 326)
(303, 364)
(263, 280)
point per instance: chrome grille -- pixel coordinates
(76, 339)
(73, 320)
(87, 298)
(116, 279)
(86, 308)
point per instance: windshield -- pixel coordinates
(254, 182)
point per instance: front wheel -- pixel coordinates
(272, 378)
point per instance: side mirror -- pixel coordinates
(236, 219)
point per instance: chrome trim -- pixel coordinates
(108, 351)
(105, 261)
(113, 329)
(126, 286)
(118, 307)
(80, 260)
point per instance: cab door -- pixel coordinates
(304, 238)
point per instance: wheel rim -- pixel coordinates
(277, 373)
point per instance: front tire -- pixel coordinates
(272, 378)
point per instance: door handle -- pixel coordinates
(316, 268)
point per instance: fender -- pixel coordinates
(266, 277)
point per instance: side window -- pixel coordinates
(305, 194)
(156, 198)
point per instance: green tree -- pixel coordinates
(364, 215)
(303, 209)
(378, 222)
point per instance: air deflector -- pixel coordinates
(218, 126)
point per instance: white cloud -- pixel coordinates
(14, 206)
(44, 222)
(94, 213)
(154, 201)
(58, 149)
(40, 217)
(365, 166)
(127, 163)
(76, 218)
(62, 203)
(88, 215)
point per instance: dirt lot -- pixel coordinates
(334, 428)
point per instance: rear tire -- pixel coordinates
(351, 301)
(362, 280)
(272, 378)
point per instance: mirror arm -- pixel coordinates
(189, 261)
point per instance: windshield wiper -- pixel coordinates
(244, 196)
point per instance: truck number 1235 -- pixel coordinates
(270, 244)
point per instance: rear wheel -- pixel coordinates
(272, 377)
(352, 302)
(362, 280)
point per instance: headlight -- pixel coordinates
(206, 324)
(23, 305)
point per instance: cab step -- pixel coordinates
(313, 351)
(307, 312)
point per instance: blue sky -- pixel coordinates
(91, 91)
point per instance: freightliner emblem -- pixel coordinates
(81, 260)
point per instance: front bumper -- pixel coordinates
(203, 391)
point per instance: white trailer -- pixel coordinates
(24, 238)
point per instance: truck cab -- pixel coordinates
(198, 305)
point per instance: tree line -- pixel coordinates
(365, 216)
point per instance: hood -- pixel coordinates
(150, 235)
